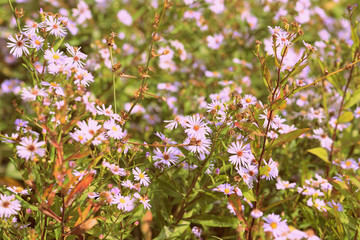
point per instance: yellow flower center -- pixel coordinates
(56, 57)
(141, 175)
(273, 225)
(19, 189)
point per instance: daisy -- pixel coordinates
(32, 27)
(54, 57)
(124, 17)
(215, 41)
(272, 169)
(18, 190)
(141, 176)
(105, 111)
(318, 114)
(90, 128)
(167, 157)
(294, 234)
(319, 204)
(281, 185)
(28, 148)
(144, 200)
(196, 127)
(275, 225)
(21, 124)
(36, 42)
(82, 174)
(116, 170)
(164, 139)
(338, 206)
(309, 46)
(83, 77)
(54, 86)
(18, 45)
(114, 130)
(242, 154)
(30, 94)
(325, 141)
(78, 136)
(300, 82)
(196, 230)
(198, 145)
(128, 184)
(225, 188)
(8, 205)
(282, 39)
(93, 195)
(248, 174)
(248, 100)
(256, 213)
(357, 112)
(76, 56)
(123, 202)
(54, 27)
(173, 124)
(349, 164)
(216, 107)
(82, 12)
(275, 30)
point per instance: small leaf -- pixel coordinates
(298, 69)
(355, 98)
(320, 152)
(248, 194)
(278, 203)
(80, 187)
(249, 127)
(279, 104)
(58, 44)
(214, 220)
(78, 155)
(346, 117)
(289, 137)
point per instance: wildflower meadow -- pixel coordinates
(179, 119)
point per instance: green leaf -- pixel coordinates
(266, 77)
(248, 194)
(278, 203)
(355, 181)
(249, 127)
(264, 169)
(214, 221)
(298, 69)
(331, 79)
(12, 172)
(279, 104)
(355, 98)
(346, 117)
(288, 137)
(320, 152)
(354, 36)
(58, 44)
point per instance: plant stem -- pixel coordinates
(339, 113)
(113, 77)
(143, 78)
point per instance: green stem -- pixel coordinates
(13, 10)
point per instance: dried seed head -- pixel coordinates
(116, 67)
(19, 13)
